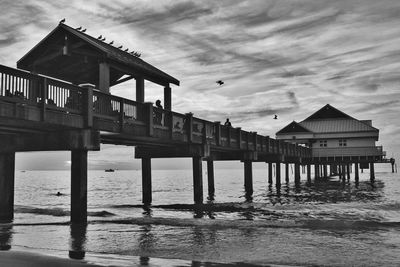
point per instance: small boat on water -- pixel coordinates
(109, 170)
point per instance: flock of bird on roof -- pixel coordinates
(134, 53)
(101, 38)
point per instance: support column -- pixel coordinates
(79, 186)
(348, 171)
(167, 98)
(210, 175)
(197, 180)
(309, 173)
(7, 178)
(287, 172)
(248, 178)
(278, 174)
(356, 174)
(270, 172)
(297, 173)
(372, 172)
(104, 77)
(140, 89)
(325, 168)
(316, 171)
(146, 181)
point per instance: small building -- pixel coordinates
(331, 133)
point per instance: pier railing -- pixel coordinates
(107, 112)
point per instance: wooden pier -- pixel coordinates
(39, 113)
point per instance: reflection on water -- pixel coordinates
(5, 237)
(77, 241)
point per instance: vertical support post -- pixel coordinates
(88, 106)
(267, 143)
(239, 137)
(309, 173)
(287, 172)
(348, 171)
(189, 126)
(7, 180)
(121, 115)
(210, 176)
(217, 133)
(255, 141)
(140, 89)
(248, 177)
(148, 116)
(372, 172)
(167, 98)
(197, 180)
(316, 171)
(297, 173)
(79, 186)
(104, 77)
(146, 181)
(356, 173)
(270, 172)
(325, 168)
(278, 174)
(44, 98)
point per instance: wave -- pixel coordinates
(58, 212)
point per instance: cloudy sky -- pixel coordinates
(282, 57)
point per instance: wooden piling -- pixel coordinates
(146, 181)
(210, 176)
(297, 173)
(248, 177)
(79, 186)
(287, 172)
(197, 180)
(278, 174)
(270, 172)
(372, 172)
(348, 171)
(316, 171)
(356, 174)
(325, 168)
(7, 180)
(309, 173)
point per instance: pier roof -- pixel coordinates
(72, 55)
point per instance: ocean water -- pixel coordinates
(327, 223)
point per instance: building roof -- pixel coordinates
(328, 120)
(72, 55)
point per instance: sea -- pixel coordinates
(326, 223)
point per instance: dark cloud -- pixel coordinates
(293, 99)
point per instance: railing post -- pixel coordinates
(189, 126)
(267, 144)
(121, 115)
(88, 106)
(247, 140)
(217, 125)
(228, 135)
(148, 117)
(44, 97)
(255, 141)
(204, 134)
(239, 137)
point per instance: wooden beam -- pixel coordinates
(7, 179)
(104, 77)
(123, 80)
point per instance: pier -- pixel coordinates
(41, 113)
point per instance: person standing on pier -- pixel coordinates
(158, 113)
(228, 123)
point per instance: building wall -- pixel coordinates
(350, 142)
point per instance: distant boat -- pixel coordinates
(109, 170)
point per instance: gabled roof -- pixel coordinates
(328, 112)
(294, 127)
(79, 64)
(337, 126)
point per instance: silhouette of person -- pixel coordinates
(158, 113)
(228, 123)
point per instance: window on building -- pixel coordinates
(342, 142)
(323, 143)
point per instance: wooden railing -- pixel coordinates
(120, 114)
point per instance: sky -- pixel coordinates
(283, 57)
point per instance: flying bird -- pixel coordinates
(79, 28)
(62, 21)
(220, 82)
(111, 42)
(276, 117)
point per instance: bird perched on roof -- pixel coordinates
(62, 21)
(104, 38)
(83, 30)
(120, 46)
(111, 42)
(126, 50)
(276, 117)
(100, 37)
(79, 28)
(220, 82)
